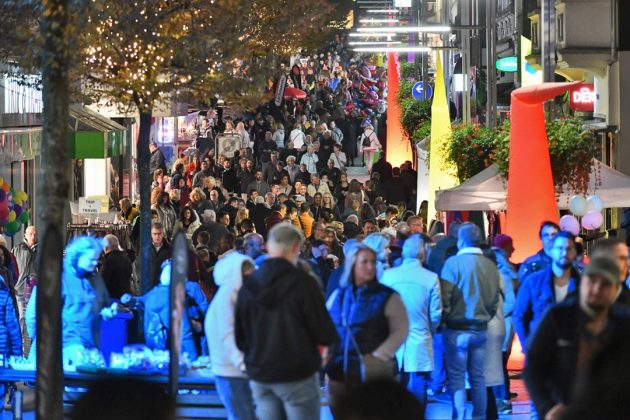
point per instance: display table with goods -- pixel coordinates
(197, 397)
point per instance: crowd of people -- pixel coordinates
(301, 277)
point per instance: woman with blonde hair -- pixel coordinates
(371, 322)
(241, 214)
(369, 145)
(197, 198)
(329, 202)
(155, 194)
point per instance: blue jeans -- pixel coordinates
(299, 400)
(416, 383)
(438, 376)
(465, 353)
(236, 397)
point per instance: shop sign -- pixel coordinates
(507, 64)
(582, 97)
(93, 205)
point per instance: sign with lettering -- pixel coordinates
(582, 97)
(93, 205)
(89, 206)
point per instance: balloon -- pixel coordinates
(5, 187)
(17, 209)
(3, 195)
(569, 223)
(592, 220)
(24, 217)
(594, 203)
(12, 216)
(11, 228)
(577, 205)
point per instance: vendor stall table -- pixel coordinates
(205, 404)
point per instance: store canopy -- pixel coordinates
(488, 190)
(94, 136)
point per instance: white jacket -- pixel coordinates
(297, 137)
(225, 357)
(419, 289)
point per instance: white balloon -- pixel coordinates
(594, 203)
(577, 205)
(592, 220)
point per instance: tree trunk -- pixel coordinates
(53, 190)
(145, 175)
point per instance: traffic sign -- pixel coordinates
(418, 91)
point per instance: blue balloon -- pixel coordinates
(3, 195)
(17, 209)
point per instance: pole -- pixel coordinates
(491, 70)
(548, 29)
(53, 189)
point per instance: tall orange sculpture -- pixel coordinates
(531, 194)
(398, 147)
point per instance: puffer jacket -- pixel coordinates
(10, 337)
(227, 359)
(83, 298)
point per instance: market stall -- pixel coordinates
(488, 190)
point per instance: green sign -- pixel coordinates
(508, 64)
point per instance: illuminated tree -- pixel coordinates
(144, 52)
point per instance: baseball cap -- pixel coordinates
(503, 241)
(605, 267)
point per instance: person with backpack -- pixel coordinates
(369, 145)
(157, 315)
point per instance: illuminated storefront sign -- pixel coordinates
(582, 97)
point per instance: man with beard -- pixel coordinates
(578, 356)
(229, 177)
(543, 288)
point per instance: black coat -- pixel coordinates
(258, 216)
(551, 369)
(216, 231)
(245, 178)
(157, 258)
(280, 319)
(230, 180)
(116, 272)
(158, 161)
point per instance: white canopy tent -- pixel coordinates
(488, 190)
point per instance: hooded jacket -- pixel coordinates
(226, 358)
(280, 320)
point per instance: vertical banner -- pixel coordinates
(398, 147)
(179, 271)
(440, 176)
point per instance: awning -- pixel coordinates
(488, 190)
(94, 136)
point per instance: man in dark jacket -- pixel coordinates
(210, 225)
(116, 269)
(160, 251)
(280, 321)
(618, 250)
(158, 161)
(571, 336)
(543, 288)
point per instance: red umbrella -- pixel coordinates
(293, 93)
